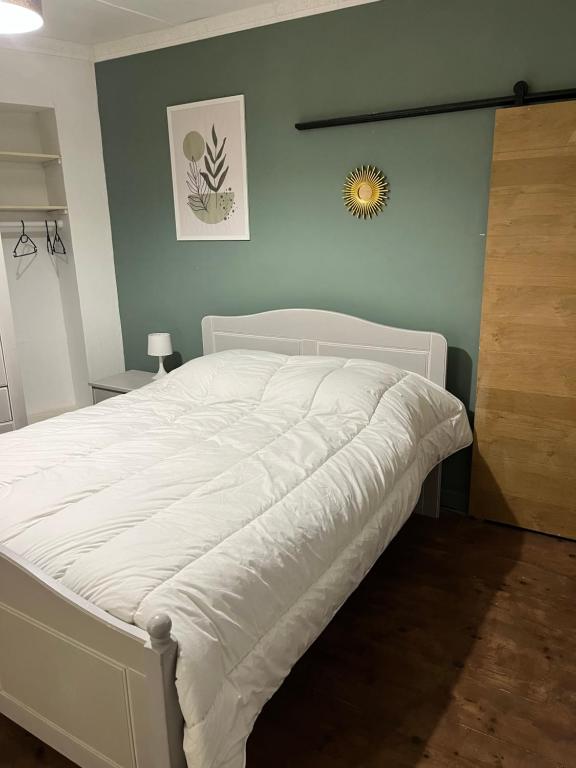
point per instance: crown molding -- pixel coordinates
(236, 21)
(47, 47)
(213, 26)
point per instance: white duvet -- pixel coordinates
(246, 495)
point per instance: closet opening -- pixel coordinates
(41, 334)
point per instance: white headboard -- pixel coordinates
(318, 332)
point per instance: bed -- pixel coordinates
(166, 556)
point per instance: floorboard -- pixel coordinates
(457, 651)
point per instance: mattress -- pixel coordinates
(245, 494)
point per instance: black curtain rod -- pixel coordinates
(520, 98)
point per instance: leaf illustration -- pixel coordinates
(214, 137)
(208, 181)
(219, 155)
(208, 149)
(222, 179)
(196, 203)
(209, 167)
(219, 167)
(198, 197)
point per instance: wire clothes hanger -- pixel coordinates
(57, 244)
(54, 246)
(26, 243)
(48, 241)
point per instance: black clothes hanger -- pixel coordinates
(49, 247)
(26, 243)
(57, 244)
(54, 246)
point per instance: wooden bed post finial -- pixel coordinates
(158, 628)
(166, 733)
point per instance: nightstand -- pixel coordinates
(119, 384)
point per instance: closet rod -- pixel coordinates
(520, 98)
(29, 225)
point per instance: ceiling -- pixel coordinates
(98, 30)
(92, 22)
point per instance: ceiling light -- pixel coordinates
(20, 16)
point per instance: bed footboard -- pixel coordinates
(97, 690)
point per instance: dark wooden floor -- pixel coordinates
(458, 650)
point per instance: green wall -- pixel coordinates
(419, 264)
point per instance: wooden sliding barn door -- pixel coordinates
(524, 465)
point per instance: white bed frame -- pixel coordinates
(101, 691)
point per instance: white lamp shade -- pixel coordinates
(159, 344)
(18, 16)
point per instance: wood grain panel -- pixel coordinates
(516, 406)
(544, 374)
(511, 336)
(551, 307)
(533, 257)
(544, 456)
(534, 172)
(524, 465)
(529, 128)
(520, 212)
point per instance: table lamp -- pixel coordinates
(159, 345)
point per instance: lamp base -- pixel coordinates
(161, 370)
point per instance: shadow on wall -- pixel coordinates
(395, 678)
(173, 361)
(456, 469)
(459, 375)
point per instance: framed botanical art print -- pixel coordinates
(208, 155)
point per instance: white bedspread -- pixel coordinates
(246, 494)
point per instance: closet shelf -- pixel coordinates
(27, 157)
(45, 207)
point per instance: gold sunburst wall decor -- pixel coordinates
(365, 192)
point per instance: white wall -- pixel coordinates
(40, 329)
(68, 85)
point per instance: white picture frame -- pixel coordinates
(209, 179)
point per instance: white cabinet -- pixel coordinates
(119, 384)
(99, 395)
